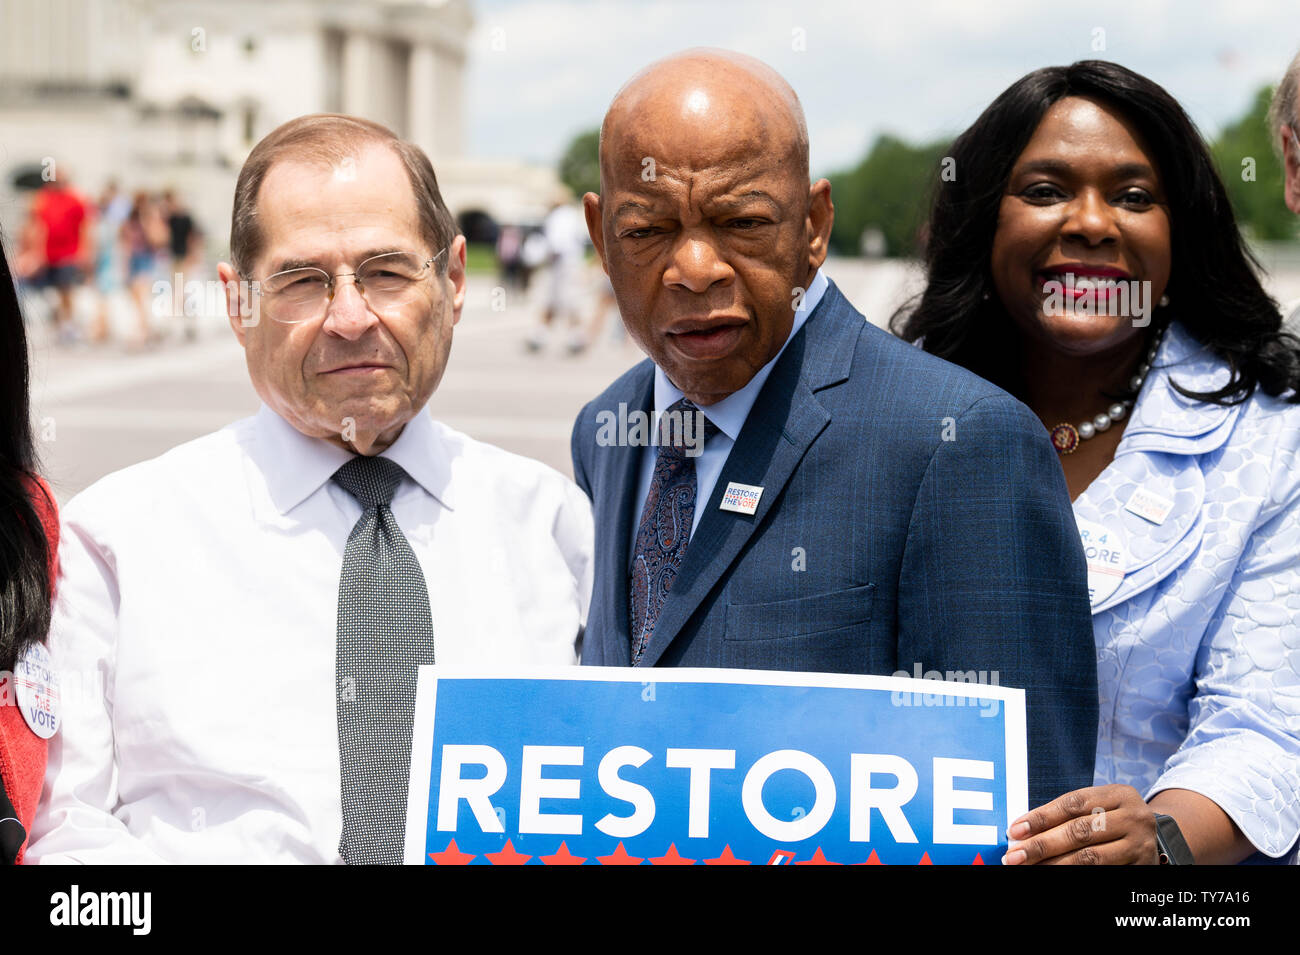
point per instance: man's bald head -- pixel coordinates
(706, 222)
(709, 90)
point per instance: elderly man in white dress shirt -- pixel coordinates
(238, 620)
(1284, 130)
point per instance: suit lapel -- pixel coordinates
(784, 422)
(619, 475)
(1153, 551)
(1163, 450)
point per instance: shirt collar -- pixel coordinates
(730, 413)
(295, 465)
(1163, 418)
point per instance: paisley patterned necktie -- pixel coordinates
(665, 527)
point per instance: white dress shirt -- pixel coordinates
(728, 415)
(195, 630)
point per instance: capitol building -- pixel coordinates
(175, 93)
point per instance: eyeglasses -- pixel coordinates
(386, 282)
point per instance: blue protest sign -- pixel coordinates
(605, 766)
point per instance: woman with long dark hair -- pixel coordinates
(29, 534)
(1086, 259)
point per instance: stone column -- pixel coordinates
(422, 99)
(357, 66)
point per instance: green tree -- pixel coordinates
(1253, 175)
(889, 190)
(580, 164)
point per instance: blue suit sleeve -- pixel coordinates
(993, 578)
(576, 446)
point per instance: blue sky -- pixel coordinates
(542, 70)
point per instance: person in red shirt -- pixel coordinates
(61, 219)
(29, 537)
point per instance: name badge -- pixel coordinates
(1107, 559)
(741, 498)
(1149, 505)
(36, 687)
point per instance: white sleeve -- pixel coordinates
(1242, 748)
(74, 819)
(575, 535)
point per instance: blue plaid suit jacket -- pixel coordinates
(934, 526)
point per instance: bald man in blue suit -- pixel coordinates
(844, 502)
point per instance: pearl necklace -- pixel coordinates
(1066, 437)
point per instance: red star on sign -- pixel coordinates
(672, 857)
(872, 859)
(451, 855)
(507, 856)
(726, 859)
(620, 857)
(978, 860)
(563, 857)
(818, 858)
(925, 859)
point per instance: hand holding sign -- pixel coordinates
(1100, 825)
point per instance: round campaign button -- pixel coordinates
(36, 687)
(1107, 559)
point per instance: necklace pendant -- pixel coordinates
(1065, 438)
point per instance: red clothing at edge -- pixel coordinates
(22, 752)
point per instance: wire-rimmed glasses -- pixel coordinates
(386, 282)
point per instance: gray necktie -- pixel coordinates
(385, 630)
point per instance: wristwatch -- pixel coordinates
(1170, 842)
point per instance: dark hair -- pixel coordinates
(1214, 289)
(24, 551)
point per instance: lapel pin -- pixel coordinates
(1149, 505)
(37, 690)
(741, 498)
